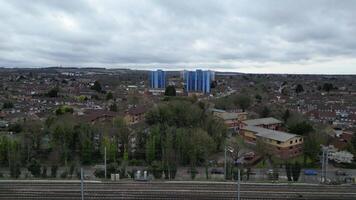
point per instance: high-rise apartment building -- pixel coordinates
(158, 79)
(197, 81)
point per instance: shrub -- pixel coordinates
(112, 168)
(35, 168)
(71, 169)
(156, 169)
(54, 169)
(15, 170)
(173, 171)
(135, 162)
(193, 172)
(64, 174)
(7, 105)
(44, 172)
(77, 172)
(99, 173)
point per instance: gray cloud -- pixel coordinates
(169, 33)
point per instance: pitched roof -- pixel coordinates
(262, 121)
(217, 110)
(92, 115)
(137, 110)
(270, 134)
(229, 116)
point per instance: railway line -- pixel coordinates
(30, 190)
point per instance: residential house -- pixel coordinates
(342, 138)
(98, 115)
(135, 114)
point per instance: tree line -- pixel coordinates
(175, 132)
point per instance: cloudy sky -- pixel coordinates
(261, 36)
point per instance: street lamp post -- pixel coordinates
(237, 162)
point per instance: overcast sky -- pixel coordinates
(271, 36)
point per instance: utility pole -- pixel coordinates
(238, 183)
(326, 164)
(105, 161)
(322, 167)
(82, 182)
(225, 162)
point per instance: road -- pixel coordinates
(69, 190)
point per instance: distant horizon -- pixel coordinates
(274, 36)
(176, 70)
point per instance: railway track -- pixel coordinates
(170, 190)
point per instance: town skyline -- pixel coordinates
(304, 37)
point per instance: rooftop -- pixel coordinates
(262, 121)
(270, 134)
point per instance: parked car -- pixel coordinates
(217, 171)
(310, 172)
(272, 174)
(340, 173)
(249, 156)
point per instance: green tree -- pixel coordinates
(31, 136)
(265, 112)
(64, 109)
(217, 129)
(111, 148)
(263, 150)
(150, 149)
(122, 133)
(113, 107)
(296, 168)
(301, 128)
(14, 149)
(84, 136)
(286, 116)
(53, 92)
(54, 169)
(7, 105)
(225, 103)
(243, 101)
(4, 147)
(109, 96)
(173, 138)
(71, 169)
(96, 86)
(15, 170)
(168, 152)
(288, 167)
(201, 145)
(64, 137)
(328, 87)
(311, 147)
(156, 169)
(35, 168)
(352, 145)
(16, 127)
(258, 98)
(170, 91)
(44, 172)
(86, 151)
(299, 89)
